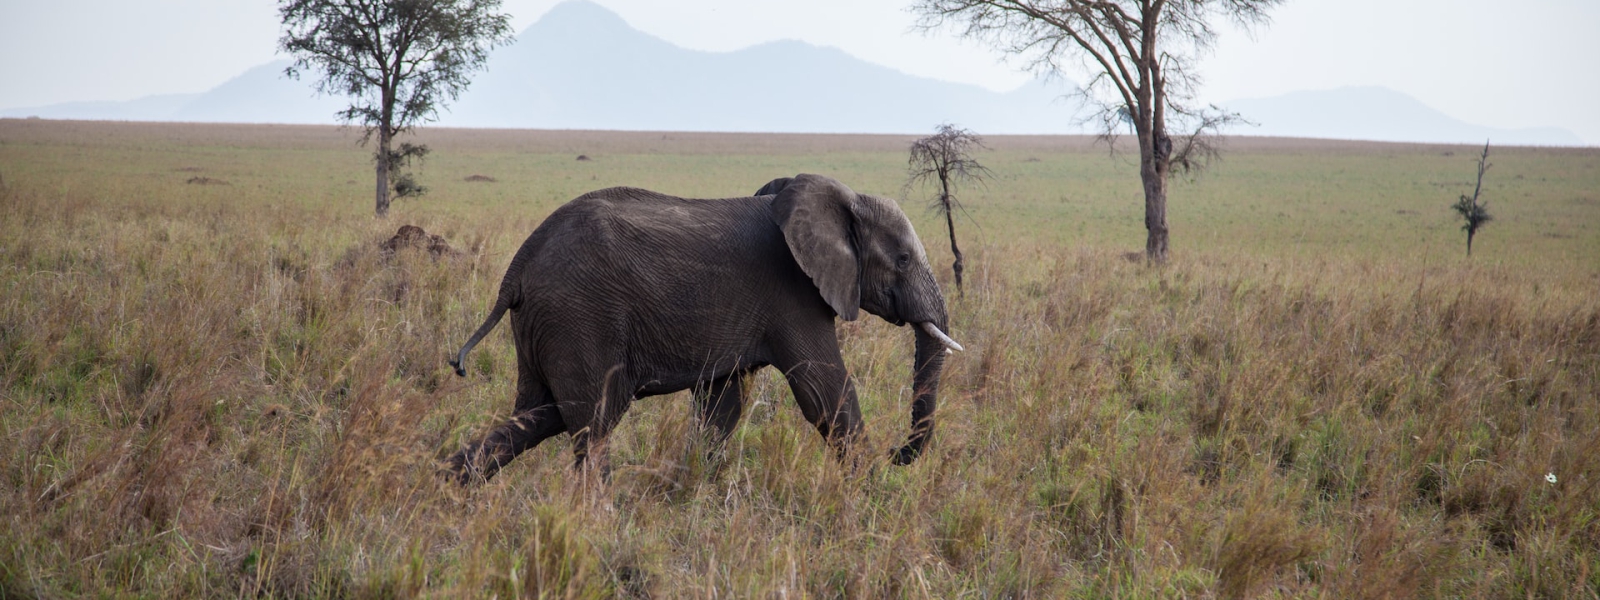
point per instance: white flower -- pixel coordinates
(1550, 477)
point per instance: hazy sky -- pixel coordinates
(1499, 63)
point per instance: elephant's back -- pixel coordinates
(630, 242)
(624, 223)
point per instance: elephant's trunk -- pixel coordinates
(929, 362)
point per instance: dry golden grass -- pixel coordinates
(225, 390)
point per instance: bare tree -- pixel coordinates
(1142, 53)
(1474, 212)
(946, 157)
(397, 60)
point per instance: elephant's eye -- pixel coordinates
(902, 262)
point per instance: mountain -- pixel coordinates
(148, 108)
(261, 95)
(1376, 113)
(583, 67)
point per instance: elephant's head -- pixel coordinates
(862, 254)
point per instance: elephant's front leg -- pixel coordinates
(719, 403)
(827, 397)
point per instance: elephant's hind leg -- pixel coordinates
(719, 403)
(481, 460)
(591, 409)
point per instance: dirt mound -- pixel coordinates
(411, 236)
(584, 157)
(483, 178)
(202, 180)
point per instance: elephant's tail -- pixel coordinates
(506, 299)
(483, 330)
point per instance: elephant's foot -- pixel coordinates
(905, 455)
(455, 468)
(592, 463)
(471, 466)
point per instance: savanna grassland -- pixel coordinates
(214, 384)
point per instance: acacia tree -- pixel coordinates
(1142, 54)
(397, 61)
(1475, 213)
(946, 156)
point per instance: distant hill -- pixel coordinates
(1376, 113)
(259, 95)
(583, 67)
(148, 108)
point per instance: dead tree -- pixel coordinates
(1471, 209)
(946, 157)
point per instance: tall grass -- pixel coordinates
(227, 389)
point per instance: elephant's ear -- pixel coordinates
(816, 214)
(774, 186)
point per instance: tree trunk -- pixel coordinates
(1469, 242)
(382, 162)
(950, 222)
(1153, 172)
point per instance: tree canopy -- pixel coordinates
(1142, 54)
(397, 60)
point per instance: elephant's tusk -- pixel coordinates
(933, 330)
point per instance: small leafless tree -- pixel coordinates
(1475, 212)
(946, 157)
(1142, 53)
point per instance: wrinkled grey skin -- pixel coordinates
(625, 293)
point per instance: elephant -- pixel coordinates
(625, 293)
